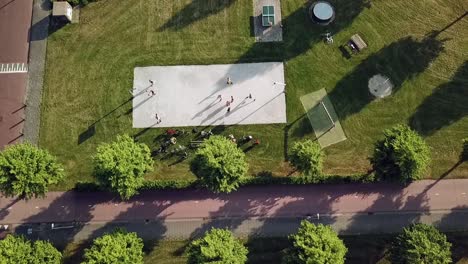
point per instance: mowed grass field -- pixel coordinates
(421, 45)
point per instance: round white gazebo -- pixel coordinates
(380, 86)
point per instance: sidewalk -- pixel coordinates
(350, 208)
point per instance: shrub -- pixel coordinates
(18, 250)
(420, 243)
(217, 246)
(121, 165)
(117, 247)
(307, 157)
(219, 164)
(464, 153)
(402, 155)
(315, 244)
(26, 170)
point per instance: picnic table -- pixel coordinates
(358, 42)
(268, 16)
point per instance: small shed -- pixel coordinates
(62, 10)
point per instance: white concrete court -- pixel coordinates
(188, 95)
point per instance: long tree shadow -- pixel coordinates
(81, 217)
(400, 61)
(454, 222)
(91, 130)
(195, 11)
(144, 214)
(271, 212)
(393, 208)
(298, 131)
(70, 211)
(446, 105)
(300, 33)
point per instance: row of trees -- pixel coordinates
(402, 155)
(117, 247)
(311, 244)
(28, 171)
(319, 244)
(25, 170)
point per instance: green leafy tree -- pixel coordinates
(117, 247)
(307, 157)
(219, 164)
(464, 153)
(421, 243)
(26, 170)
(45, 253)
(18, 250)
(121, 165)
(402, 155)
(315, 244)
(217, 246)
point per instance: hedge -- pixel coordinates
(258, 180)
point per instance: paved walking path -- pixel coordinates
(264, 210)
(37, 56)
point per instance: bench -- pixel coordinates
(195, 143)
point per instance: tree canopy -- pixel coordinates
(307, 157)
(315, 244)
(402, 155)
(26, 170)
(421, 243)
(217, 246)
(18, 250)
(121, 165)
(219, 164)
(117, 247)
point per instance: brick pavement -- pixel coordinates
(260, 210)
(15, 23)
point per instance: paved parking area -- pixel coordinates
(197, 95)
(15, 24)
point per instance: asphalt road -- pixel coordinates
(255, 210)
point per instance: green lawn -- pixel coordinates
(361, 249)
(90, 70)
